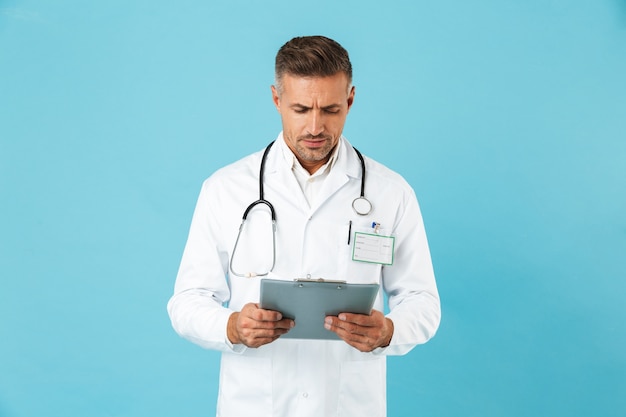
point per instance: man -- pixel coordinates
(310, 178)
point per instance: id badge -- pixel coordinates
(373, 248)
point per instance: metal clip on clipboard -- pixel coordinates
(328, 281)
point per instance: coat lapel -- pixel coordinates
(279, 172)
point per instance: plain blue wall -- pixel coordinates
(507, 117)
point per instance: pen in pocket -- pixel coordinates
(349, 231)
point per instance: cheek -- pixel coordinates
(336, 125)
(293, 125)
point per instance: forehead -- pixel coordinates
(332, 88)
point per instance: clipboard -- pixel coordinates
(309, 301)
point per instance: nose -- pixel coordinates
(315, 123)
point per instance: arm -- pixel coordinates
(413, 298)
(197, 309)
(410, 284)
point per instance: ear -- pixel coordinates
(351, 97)
(276, 98)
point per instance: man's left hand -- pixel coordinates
(361, 331)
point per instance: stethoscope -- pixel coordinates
(360, 205)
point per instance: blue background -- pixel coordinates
(507, 117)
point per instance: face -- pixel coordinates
(313, 112)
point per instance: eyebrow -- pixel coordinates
(303, 107)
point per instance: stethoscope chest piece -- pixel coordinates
(362, 206)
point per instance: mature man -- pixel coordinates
(308, 180)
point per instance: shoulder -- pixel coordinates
(379, 178)
(238, 171)
(384, 176)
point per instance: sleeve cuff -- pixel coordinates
(238, 348)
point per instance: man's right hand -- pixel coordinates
(254, 327)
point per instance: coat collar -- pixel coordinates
(347, 166)
(346, 163)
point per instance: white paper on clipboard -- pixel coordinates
(308, 302)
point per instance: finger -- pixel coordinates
(358, 341)
(356, 323)
(344, 327)
(258, 342)
(259, 337)
(254, 312)
(247, 329)
(285, 324)
(266, 315)
(252, 324)
(372, 320)
(262, 333)
(363, 347)
(361, 337)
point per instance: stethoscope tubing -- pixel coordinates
(360, 201)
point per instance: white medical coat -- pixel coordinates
(302, 377)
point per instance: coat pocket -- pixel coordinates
(362, 388)
(241, 391)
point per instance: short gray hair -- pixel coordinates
(311, 56)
